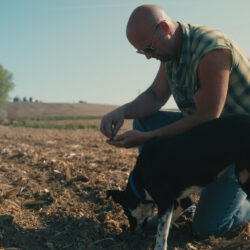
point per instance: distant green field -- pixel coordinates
(63, 118)
(49, 126)
(52, 122)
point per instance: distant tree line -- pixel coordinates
(24, 99)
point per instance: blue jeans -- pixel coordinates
(223, 205)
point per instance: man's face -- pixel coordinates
(161, 55)
(160, 46)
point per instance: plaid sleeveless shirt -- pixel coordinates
(182, 74)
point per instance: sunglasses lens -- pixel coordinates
(140, 52)
(149, 50)
(146, 50)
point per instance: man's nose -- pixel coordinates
(148, 55)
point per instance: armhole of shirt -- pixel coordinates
(222, 47)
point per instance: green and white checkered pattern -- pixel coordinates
(182, 74)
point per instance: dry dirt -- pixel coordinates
(53, 195)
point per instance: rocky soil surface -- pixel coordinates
(53, 195)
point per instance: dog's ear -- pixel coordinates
(117, 195)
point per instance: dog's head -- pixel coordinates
(136, 210)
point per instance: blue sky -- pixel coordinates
(66, 51)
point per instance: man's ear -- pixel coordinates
(117, 195)
(165, 26)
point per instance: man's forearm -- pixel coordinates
(144, 105)
(180, 125)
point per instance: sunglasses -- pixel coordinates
(149, 48)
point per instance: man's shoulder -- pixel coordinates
(200, 39)
(199, 31)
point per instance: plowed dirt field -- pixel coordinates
(53, 195)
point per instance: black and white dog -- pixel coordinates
(169, 169)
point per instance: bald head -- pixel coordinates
(142, 22)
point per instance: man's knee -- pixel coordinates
(204, 229)
(157, 120)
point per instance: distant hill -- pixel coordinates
(26, 110)
(22, 110)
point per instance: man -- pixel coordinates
(209, 76)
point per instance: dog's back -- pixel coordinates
(196, 157)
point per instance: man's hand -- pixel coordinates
(131, 138)
(112, 122)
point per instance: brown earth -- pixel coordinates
(53, 195)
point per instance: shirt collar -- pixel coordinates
(186, 44)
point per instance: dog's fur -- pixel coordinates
(169, 169)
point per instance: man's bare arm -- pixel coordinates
(144, 105)
(213, 74)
